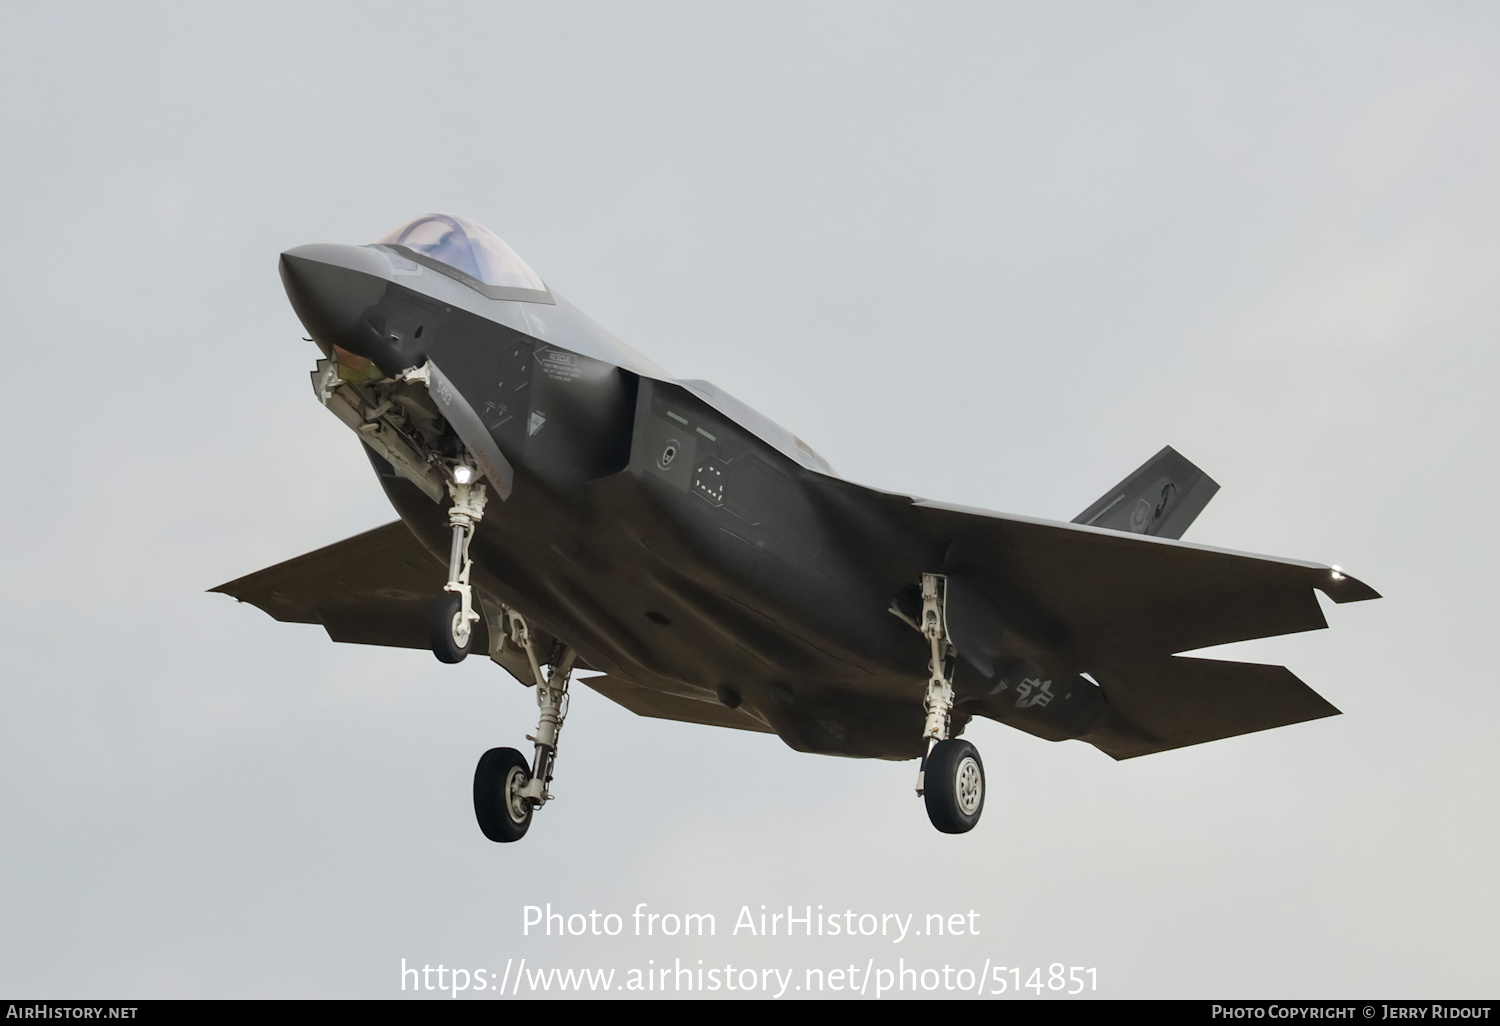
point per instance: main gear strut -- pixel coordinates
(950, 778)
(506, 792)
(937, 702)
(552, 703)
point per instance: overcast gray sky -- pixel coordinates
(1266, 234)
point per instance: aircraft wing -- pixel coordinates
(1118, 606)
(376, 588)
(1090, 595)
(1103, 594)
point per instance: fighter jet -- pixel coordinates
(566, 504)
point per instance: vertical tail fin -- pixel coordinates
(1161, 498)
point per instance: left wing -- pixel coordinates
(1112, 604)
(1094, 594)
(1110, 593)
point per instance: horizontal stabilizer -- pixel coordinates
(663, 706)
(1183, 701)
(1161, 498)
(376, 588)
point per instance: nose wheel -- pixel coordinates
(448, 631)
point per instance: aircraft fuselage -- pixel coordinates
(653, 525)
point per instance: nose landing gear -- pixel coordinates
(450, 629)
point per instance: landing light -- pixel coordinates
(463, 474)
(1338, 572)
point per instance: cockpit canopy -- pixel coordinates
(469, 252)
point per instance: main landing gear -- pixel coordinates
(506, 790)
(950, 778)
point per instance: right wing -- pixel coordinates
(376, 588)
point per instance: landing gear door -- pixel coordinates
(471, 430)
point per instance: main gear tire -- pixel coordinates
(447, 631)
(953, 786)
(502, 813)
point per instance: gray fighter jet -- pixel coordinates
(595, 513)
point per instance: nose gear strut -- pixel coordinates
(451, 628)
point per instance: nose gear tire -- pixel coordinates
(954, 786)
(443, 627)
(502, 814)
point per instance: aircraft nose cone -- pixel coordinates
(331, 298)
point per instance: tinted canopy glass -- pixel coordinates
(472, 250)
